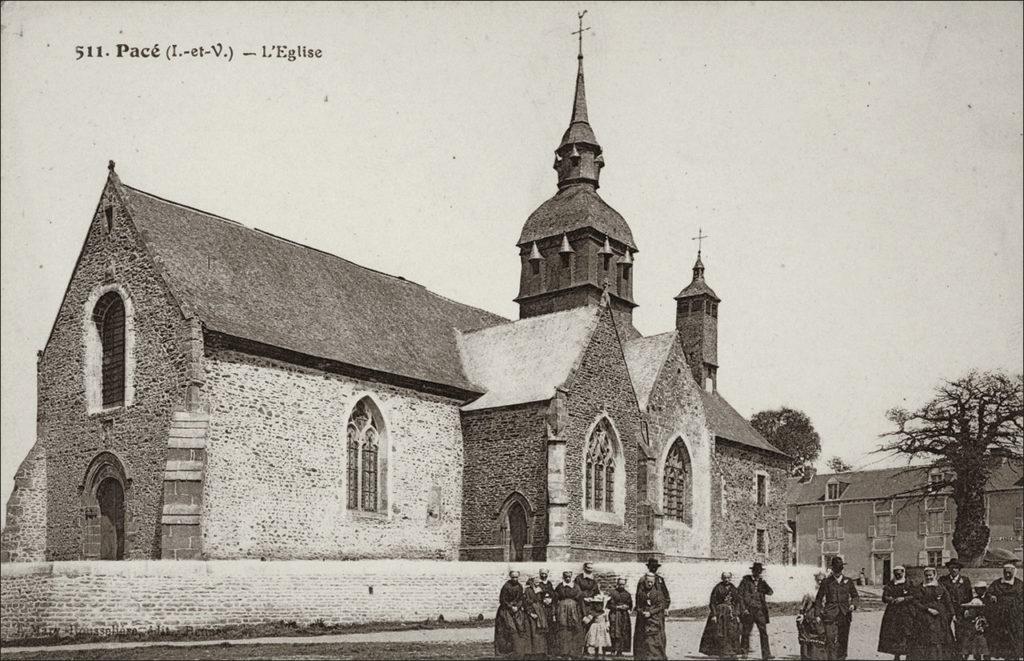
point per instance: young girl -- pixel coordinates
(598, 636)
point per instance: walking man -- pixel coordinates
(753, 590)
(837, 599)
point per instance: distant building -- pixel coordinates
(855, 516)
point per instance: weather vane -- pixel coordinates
(581, 30)
(699, 238)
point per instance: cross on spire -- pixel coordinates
(581, 31)
(699, 239)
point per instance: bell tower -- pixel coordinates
(697, 323)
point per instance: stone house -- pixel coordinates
(209, 390)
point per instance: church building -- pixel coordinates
(213, 391)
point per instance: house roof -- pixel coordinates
(574, 207)
(644, 358)
(883, 482)
(726, 422)
(250, 284)
(524, 361)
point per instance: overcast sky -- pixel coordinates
(857, 166)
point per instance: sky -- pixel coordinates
(857, 168)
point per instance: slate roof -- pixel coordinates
(250, 284)
(697, 287)
(879, 483)
(524, 361)
(644, 358)
(574, 207)
(725, 421)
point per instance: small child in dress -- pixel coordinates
(598, 636)
(972, 636)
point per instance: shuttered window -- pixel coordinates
(109, 318)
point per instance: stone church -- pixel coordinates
(213, 391)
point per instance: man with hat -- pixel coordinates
(753, 590)
(837, 599)
(959, 589)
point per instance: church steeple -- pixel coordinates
(697, 324)
(578, 158)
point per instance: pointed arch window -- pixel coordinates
(677, 483)
(366, 454)
(109, 316)
(600, 470)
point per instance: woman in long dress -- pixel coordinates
(620, 603)
(972, 635)
(898, 619)
(511, 635)
(932, 637)
(723, 631)
(568, 619)
(809, 627)
(649, 641)
(536, 617)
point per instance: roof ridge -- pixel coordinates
(308, 247)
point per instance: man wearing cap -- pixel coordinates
(837, 599)
(960, 592)
(753, 590)
(1004, 609)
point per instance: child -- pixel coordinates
(598, 636)
(972, 637)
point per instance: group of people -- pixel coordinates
(948, 618)
(575, 619)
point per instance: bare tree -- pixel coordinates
(968, 428)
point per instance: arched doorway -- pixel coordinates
(515, 524)
(110, 499)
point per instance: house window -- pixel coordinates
(109, 317)
(366, 458)
(934, 558)
(676, 483)
(832, 528)
(762, 540)
(600, 470)
(883, 524)
(761, 486)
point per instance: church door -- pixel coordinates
(110, 498)
(516, 533)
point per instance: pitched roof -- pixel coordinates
(696, 288)
(882, 482)
(574, 207)
(725, 421)
(250, 284)
(524, 361)
(644, 358)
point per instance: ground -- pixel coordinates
(466, 643)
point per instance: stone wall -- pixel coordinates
(24, 538)
(735, 515)
(277, 437)
(63, 598)
(505, 454)
(674, 411)
(159, 353)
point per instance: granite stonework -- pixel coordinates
(24, 537)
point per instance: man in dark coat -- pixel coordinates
(753, 590)
(620, 603)
(837, 599)
(898, 619)
(724, 628)
(511, 632)
(649, 641)
(659, 581)
(960, 592)
(1004, 610)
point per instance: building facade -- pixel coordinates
(860, 517)
(213, 391)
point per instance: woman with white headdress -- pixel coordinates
(898, 619)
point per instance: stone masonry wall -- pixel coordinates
(277, 436)
(24, 538)
(136, 434)
(734, 529)
(674, 411)
(65, 598)
(505, 453)
(601, 386)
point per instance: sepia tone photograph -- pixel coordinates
(520, 330)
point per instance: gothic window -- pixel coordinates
(676, 485)
(600, 470)
(365, 452)
(109, 317)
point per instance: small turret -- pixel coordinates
(697, 323)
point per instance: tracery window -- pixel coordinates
(365, 464)
(600, 470)
(676, 483)
(109, 316)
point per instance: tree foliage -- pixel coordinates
(790, 431)
(836, 464)
(970, 426)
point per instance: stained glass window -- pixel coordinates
(676, 483)
(600, 467)
(363, 459)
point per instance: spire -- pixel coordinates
(578, 157)
(698, 268)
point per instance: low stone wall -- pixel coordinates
(64, 598)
